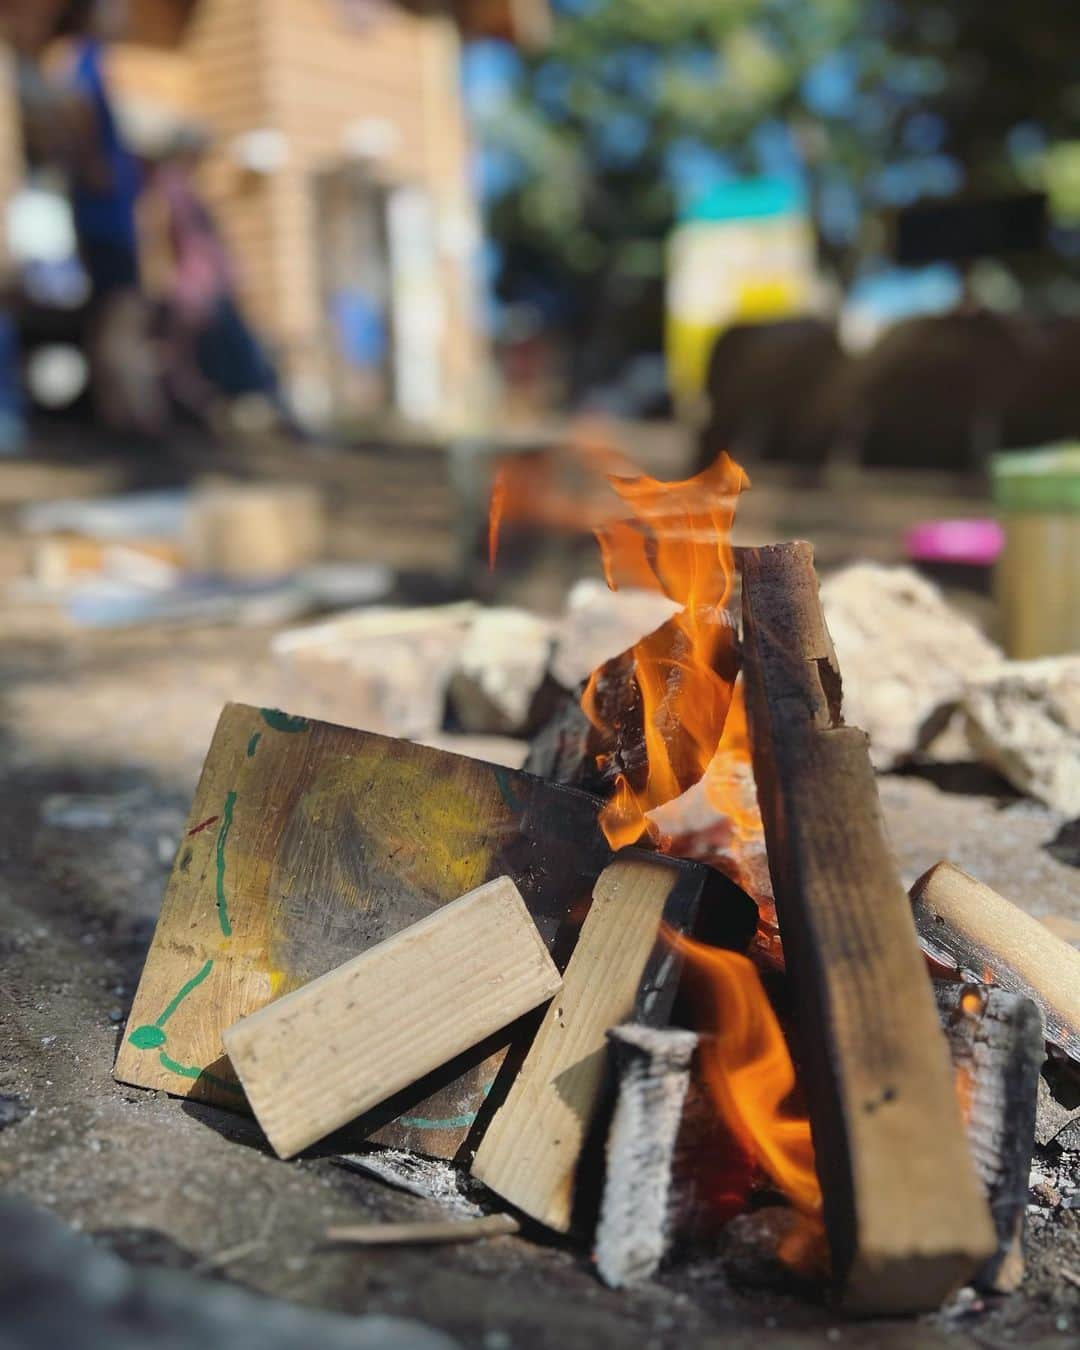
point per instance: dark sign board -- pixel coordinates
(957, 231)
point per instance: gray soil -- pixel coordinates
(126, 718)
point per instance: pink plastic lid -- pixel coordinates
(975, 542)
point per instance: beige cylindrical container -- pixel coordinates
(1037, 582)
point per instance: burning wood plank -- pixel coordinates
(529, 1154)
(904, 1215)
(967, 927)
(645, 1203)
(996, 1043)
(309, 843)
(319, 1057)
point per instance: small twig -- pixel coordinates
(425, 1231)
(1071, 1276)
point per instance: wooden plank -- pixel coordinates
(424, 1232)
(321, 1056)
(530, 1151)
(971, 929)
(904, 1212)
(996, 1043)
(309, 843)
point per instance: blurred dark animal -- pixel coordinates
(772, 392)
(938, 392)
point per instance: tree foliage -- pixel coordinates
(871, 104)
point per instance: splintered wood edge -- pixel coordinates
(530, 1151)
(319, 1057)
(903, 1207)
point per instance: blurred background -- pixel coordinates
(383, 245)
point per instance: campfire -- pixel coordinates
(667, 977)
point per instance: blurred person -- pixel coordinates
(213, 358)
(69, 120)
(104, 185)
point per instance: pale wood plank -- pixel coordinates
(530, 1151)
(320, 1057)
(967, 926)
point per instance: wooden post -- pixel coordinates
(321, 1056)
(530, 1151)
(969, 928)
(904, 1212)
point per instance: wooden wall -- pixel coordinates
(299, 68)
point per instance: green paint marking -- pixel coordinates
(256, 737)
(183, 992)
(223, 834)
(274, 717)
(446, 1123)
(147, 1037)
(461, 1122)
(506, 789)
(194, 1071)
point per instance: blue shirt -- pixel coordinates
(104, 214)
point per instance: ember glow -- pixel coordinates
(748, 1069)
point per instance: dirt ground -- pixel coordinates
(102, 737)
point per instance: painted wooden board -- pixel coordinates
(309, 843)
(316, 1059)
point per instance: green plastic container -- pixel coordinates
(1037, 581)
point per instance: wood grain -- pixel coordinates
(319, 1057)
(530, 1151)
(966, 926)
(309, 843)
(904, 1212)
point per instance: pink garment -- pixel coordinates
(202, 276)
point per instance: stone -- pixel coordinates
(905, 655)
(1024, 721)
(599, 624)
(499, 670)
(58, 1289)
(383, 670)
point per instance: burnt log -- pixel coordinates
(996, 1043)
(904, 1211)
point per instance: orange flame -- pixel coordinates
(496, 507)
(562, 488)
(748, 1069)
(676, 541)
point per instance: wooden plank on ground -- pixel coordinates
(969, 928)
(309, 843)
(424, 1232)
(529, 1153)
(319, 1057)
(904, 1211)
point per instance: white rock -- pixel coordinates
(600, 623)
(905, 655)
(384, 670)
(500, 666)
(1024, 721)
